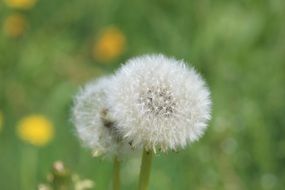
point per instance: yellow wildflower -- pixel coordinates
(21, 4)
(110, 44)
(15, 25)
(36, 129)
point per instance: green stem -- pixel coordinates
(145, 170)
(116, 174)
(28, 168)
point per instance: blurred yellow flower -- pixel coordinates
(15, 25)
(110, 44)
(1, 120)
(36, 129)
(21, 4)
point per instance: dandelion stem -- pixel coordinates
(28, 167)
(145, 169)
(116, 174)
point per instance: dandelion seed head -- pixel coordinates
(93, 124)
(159, 102)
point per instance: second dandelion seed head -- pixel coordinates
(94, 126)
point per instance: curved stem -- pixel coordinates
(116, 174)
(145, 170)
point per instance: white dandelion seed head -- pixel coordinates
(93, 124)
(159, 102)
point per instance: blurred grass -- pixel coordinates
(238, 46)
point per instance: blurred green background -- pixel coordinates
(48, 49)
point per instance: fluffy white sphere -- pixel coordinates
(93, 125)
(159, 102)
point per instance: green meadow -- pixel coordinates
(237, 46)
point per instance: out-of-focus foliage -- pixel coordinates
(1, 120)
(60, 177)
(47, 52)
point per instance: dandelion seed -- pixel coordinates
(36, 130)
(159, 102)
